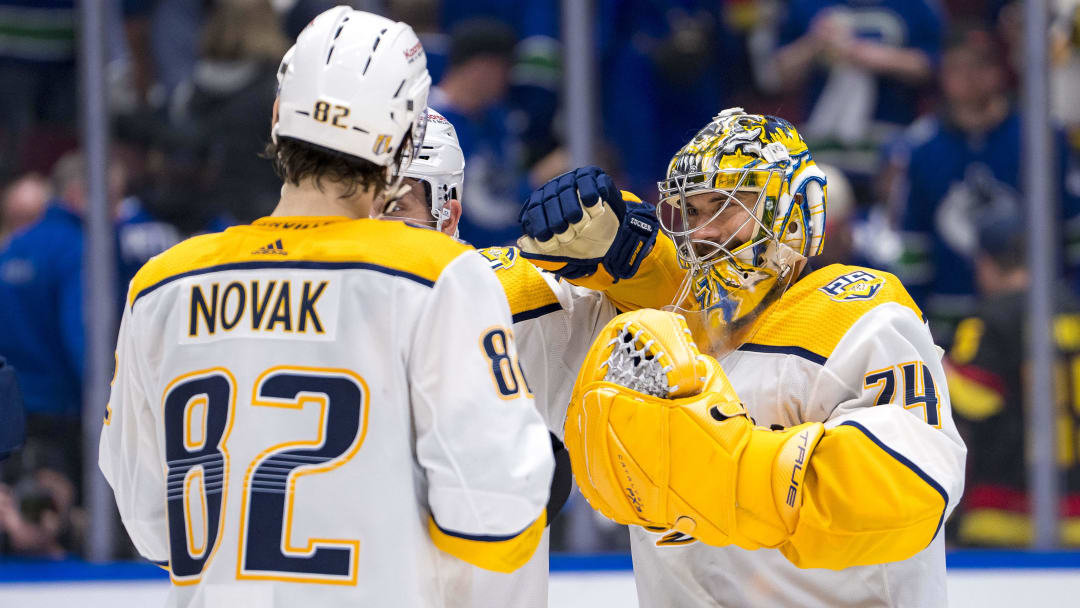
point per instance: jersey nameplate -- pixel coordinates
(303, 307)
(855, 286)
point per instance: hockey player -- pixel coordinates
(554, 324)
(821, 474)
(554, 321)
(294, 421)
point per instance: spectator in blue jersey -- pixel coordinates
(664, 66)
(472, 96)
(535, 73)
(863, 65)
(41, 311)
(959, 165)
(21, 204)
(141, 235)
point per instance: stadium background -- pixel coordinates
(950, 127)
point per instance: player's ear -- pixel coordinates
(450, 225)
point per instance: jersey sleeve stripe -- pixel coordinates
(911, 465)
(300, 264)
(559, 258)
(497, 553)
(485, 538)
(525, 315)
(798, 351)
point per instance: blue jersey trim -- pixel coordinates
(911, 465)
(481, 537)
(560, 258)
(547, 309)
(306, 265)
(798, 351)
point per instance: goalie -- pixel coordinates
(811, 450)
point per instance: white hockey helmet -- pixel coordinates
(440, 165)
(355, 83)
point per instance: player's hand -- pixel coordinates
(658, 438)
(580, 220)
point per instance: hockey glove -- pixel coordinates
(657, 437)
(580, 220)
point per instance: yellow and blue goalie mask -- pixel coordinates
(744, 203)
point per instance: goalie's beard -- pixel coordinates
(725, 305)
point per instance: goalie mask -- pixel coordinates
(745, 205)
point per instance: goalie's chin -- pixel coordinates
(724, 304)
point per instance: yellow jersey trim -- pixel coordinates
(843, 524)
(817, 311)
(305, 242)
(528, 293)
(497, 553)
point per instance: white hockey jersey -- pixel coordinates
(554, 325)
(844, 346)
(848, 347)
(306, 410)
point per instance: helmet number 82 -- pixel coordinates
(322, 113)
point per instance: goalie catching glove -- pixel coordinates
(657, 437)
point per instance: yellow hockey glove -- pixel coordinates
(657, 437)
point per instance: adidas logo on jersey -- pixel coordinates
(274, 248)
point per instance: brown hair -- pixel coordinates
(295, 161)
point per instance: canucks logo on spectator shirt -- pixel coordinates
(854, 286)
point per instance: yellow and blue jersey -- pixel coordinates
(323, 410)
(555, 322)
(846, 346)
(986, 367)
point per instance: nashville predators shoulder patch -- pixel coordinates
(501, 258)
(858, 286)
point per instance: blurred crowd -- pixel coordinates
(910, 105)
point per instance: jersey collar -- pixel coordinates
(298, 222)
